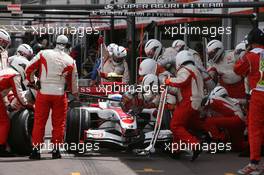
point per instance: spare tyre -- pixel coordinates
(20, 131)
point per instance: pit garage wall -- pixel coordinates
(239, 27)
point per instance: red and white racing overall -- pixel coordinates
(224, 73)
(252, 66)
(57, 70)
(227, 115)
(186, 115)
(9, 80)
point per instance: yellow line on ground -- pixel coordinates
(230, 174)
(149, 170)
(76, 173)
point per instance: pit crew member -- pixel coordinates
(190, 86)
(57, 73)
(251, 65)
(11, 78)
(221, 69)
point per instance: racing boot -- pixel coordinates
(4, 152)
(56, 154)
(35, 154)
(196, 154)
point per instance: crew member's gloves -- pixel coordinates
(205, 101)
(15, 104)
(103, 75)
(10, 108)
(167, 81)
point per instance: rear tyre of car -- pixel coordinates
(85, 121)
(73, 130)
(78, 120)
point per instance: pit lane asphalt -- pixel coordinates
(114, 162)
(109, 162)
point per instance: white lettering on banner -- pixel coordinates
(165, 5)
(174, 8)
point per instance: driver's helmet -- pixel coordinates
(114, 97)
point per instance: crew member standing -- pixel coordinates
(252, 66)
(57, 70)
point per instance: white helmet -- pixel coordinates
(110, 48)
(240, 50)
(147, 66)
(119, 53)
(178, 45)
(5, 39)
(183, 57)
(218, 91)
(117, 97)
(25, 50)
(241, 46)
(215, 49)
(150, 82)
(62, 39)
(61, 42)
(153, 48)
(19, 64)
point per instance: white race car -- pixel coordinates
(105, 123)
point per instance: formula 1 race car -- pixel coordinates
(102, 122)
(105, 123)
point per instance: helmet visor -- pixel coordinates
(212, 55)
(118, 59)
(4, 43)
(239, 51)
(151, 53)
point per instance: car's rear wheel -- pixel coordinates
(73, 129)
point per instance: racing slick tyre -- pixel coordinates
(73, 129)
(20, 131)
(85, 121)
